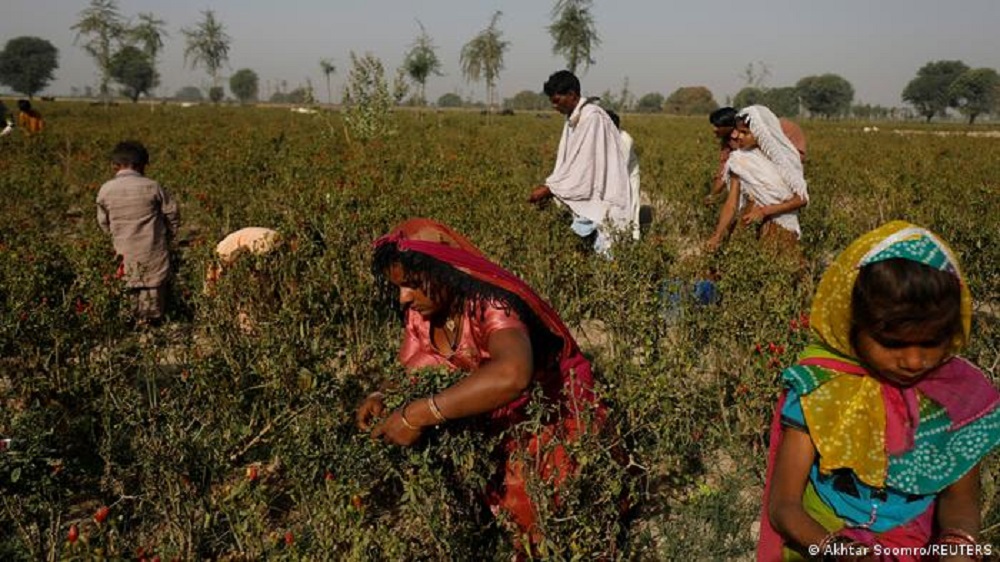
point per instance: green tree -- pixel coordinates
(829, 95)
(650, 103)
(784, 102)
(208, 47)
(148, 35)
(749, 95)
(930, 92)
(975, 92)
(451, 99)
(134, 70)
(326, 65)
(102, 24)
(422, 61)
(574, 33)
(482, 57)
(27, 64)
(189, 93)
(527, 100)
(690, 100)
(244, 84)
(367, 100)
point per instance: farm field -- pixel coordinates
(205, 440)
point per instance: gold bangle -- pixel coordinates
(406, 422)
(435, 411)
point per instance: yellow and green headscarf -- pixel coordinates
(886, 434)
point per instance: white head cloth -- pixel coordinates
(775, 145)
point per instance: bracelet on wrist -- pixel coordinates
(406, 422)
(435, 411)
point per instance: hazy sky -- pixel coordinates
(659, 45)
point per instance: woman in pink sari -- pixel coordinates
(465, 313)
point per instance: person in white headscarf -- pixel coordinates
(765, 179)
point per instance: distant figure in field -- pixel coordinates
(6, 120)
(628, 151)
(29, 119)
(142, 220)
(723, 122)
(255, 240)
(591, 172)
(765, 180)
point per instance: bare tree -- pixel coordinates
(482, 58)
(148, 34)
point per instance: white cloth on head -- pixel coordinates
(253, 239)
(591, 175)
(761, 182)
(777, 147)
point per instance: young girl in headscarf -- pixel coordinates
(878, 437)
(765, 181)
(465, 313)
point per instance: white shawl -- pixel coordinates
(761, 182)
(591, 175)
(766, 128)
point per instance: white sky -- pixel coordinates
(877, 45)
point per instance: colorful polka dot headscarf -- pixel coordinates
(831, 309)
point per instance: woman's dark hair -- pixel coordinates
(723, 117)
(561, 82)
(898, 295)
(443, 283)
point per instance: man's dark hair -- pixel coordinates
(562, 82)
(723, 117)
(131, 154)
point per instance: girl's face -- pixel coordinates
(412, 294)
(904, 358)
(744, 136)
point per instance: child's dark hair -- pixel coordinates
(723, 117)
(130, 154)
(898, 295)
(614, 118)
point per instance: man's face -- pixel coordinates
(564, 103)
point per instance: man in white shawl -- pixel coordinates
(591, 175)
(765, 179)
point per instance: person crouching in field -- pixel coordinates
(29, 119)
(878, 437)
(590, 176)
(142, 219)
(465, 313)
(723, 122)
(765, 182)
(251, 241)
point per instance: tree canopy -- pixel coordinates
(975, 92)
(245, 85)
(690, 100)
(189, 93)
(328, 68)
(27, 64)
(207, 45)
(528, 100)
(102, 25)
(574, 33)
(422, 61)
(133, 69)
(829, 95)
(930, 92)
(482, 57)
(650, 103)
(450, 99)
